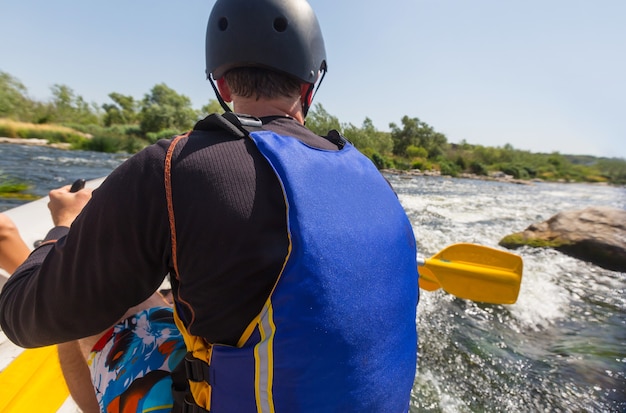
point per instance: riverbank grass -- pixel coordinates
(52, 133)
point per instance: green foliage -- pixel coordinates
(413, 151)
(122, 112)
(448, 167)
(107, 144)
(379, 160)
(14, 188)
(422, 164)
(127, 125)
(368, 137)
(478, 168)
(163, 108)
(516, 171)
(164, 134)
(461, 163)
(614, 170)
(321, 122)
(13, 101)
(67, 107)
(11, 187)
(116, 138)
(212, 107)
(417, 133)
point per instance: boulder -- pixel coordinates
(594, 234)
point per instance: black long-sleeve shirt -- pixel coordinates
(231, 235)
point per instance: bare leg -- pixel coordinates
(13, 250)
(77, 376)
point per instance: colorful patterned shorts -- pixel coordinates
(131, 364)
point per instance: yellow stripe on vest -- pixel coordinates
(264, 362)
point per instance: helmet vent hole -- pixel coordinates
(222, 24)
(280, 24)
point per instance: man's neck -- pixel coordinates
(269, 107)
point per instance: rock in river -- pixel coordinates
(594, 234)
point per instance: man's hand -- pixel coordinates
(65, 205)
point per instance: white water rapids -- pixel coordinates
(560, 348)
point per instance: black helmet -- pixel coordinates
(283, 35)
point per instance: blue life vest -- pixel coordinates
(338, 332)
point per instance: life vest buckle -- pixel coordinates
(196, 369)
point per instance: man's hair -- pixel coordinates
(261, 83)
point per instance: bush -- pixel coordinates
(401, 164)
(114, 138)
(108, 144)
(413, 151)
(516, 171)
(448, 168)
(378, 160)
(164, 134)
(460, 162)
(422, 165)
(478, 168)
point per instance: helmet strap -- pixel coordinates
(219, 97)
(305, 105)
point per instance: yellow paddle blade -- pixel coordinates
(33, 382)
(427, 280)
(476, 273)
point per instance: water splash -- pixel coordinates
(560, 348)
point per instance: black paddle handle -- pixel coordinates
(77, 185)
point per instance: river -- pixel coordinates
(560, 348)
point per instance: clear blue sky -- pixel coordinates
(542, 75)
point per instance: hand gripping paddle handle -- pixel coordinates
(76, 186)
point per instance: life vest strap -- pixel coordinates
(191, 407)
(197, 370)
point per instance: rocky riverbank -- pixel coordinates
(35, 142)
(493, 176)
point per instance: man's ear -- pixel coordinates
(306, 93)
(224, 89)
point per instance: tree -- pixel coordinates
(212, 107)
(67, 107)
(417, 133)
(163, 108)
(320, 121)
(367, 136)
(122, 112)
(13, 101)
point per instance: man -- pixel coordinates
(291, 260)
